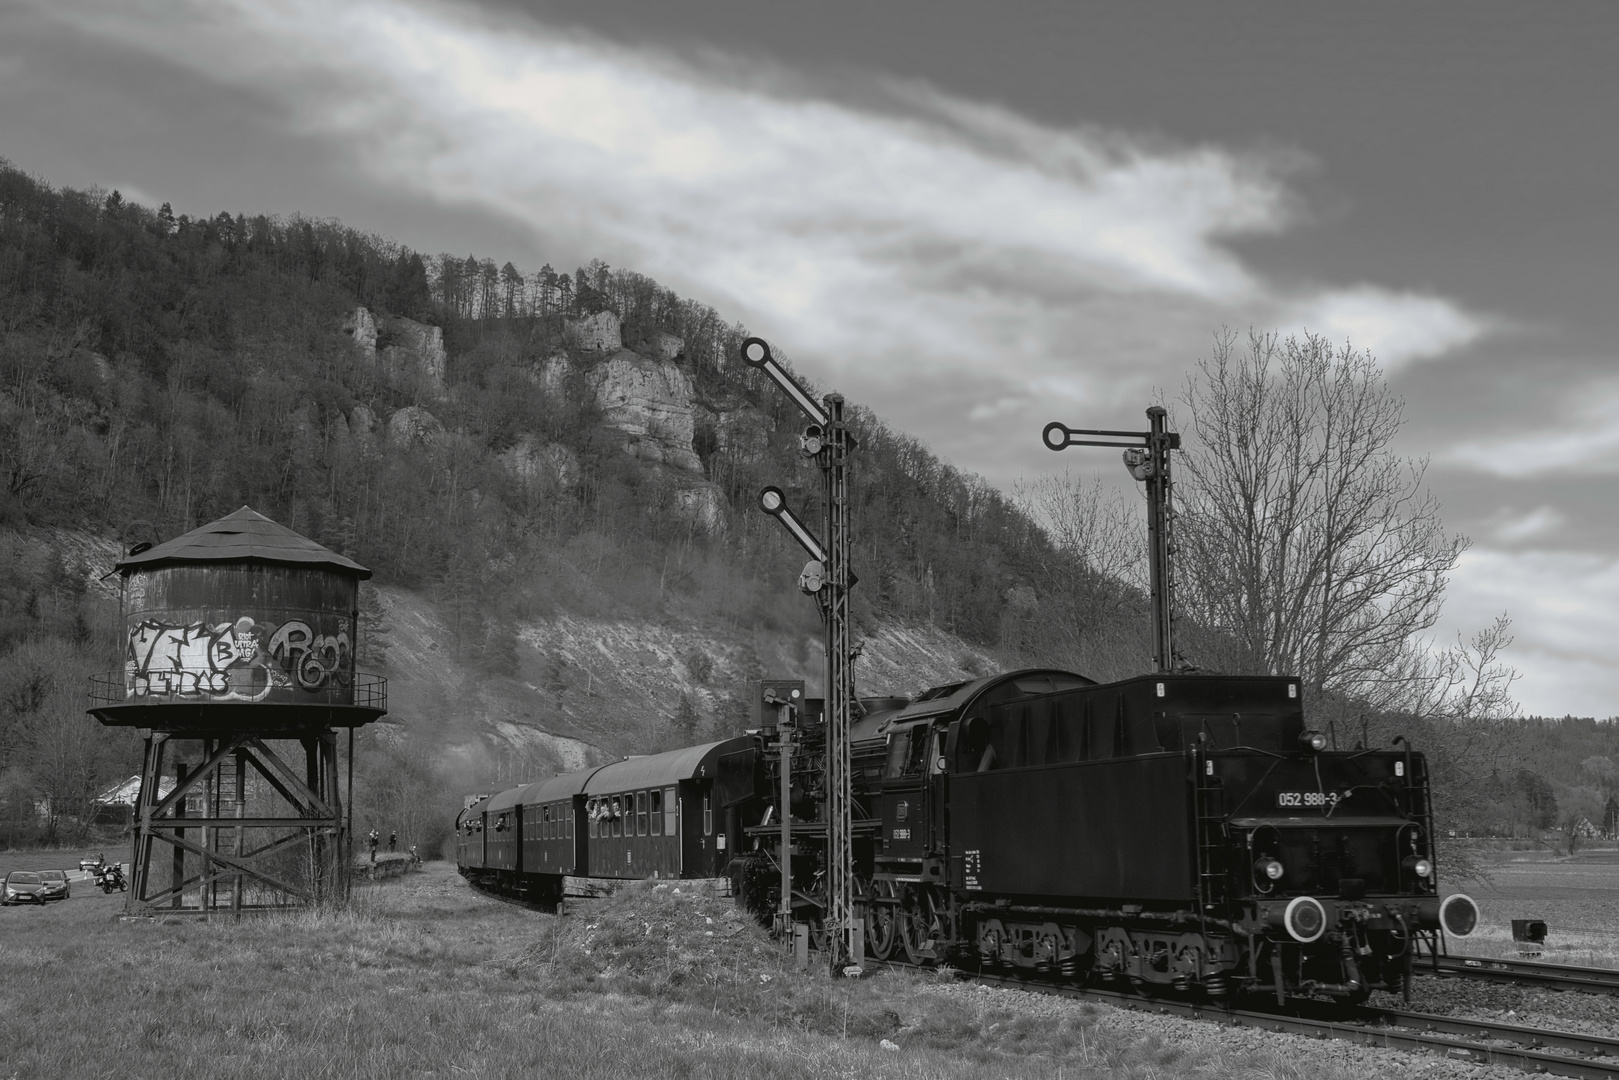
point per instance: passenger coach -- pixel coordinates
(652, 816)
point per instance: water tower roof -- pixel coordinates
(245, 536)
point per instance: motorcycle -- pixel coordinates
(110, 877)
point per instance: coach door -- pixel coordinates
(673, 825)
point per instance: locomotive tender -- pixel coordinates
(1176, 833)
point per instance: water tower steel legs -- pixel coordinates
(294, 855)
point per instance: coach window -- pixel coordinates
(708, 814)
(567, 812)
(590, 818)
(618, 816)
(671, 807)
(655, 797)
(640, 813)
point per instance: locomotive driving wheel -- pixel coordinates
(916, 923)
(882, 921)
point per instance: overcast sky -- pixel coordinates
(973, 218)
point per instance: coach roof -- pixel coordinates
(656, 770)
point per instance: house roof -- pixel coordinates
(245, 536)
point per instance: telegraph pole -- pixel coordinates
(826, 577)
(1146, 458)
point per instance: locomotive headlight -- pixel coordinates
(1313, 741)
(1270, 869)
(1422, 868)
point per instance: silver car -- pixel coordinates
(56, 884)
(23, 887)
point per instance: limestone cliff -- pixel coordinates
(402, 346)
(650, 402)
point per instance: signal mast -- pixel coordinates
(1146, 458)
(827, 441)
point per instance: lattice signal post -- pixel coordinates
(827, 578)
(1146, 456)
(239, 636)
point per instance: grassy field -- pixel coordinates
(1578, 898)
(422, 978)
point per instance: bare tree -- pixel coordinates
(1309, 547)
(1091, 571)
(1303, 537)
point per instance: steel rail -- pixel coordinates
(1369, 1027)
(1524, 972)
(1531, 1037)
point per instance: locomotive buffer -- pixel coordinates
(1146, 457)
(827, 578)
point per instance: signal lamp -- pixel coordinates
(771, 500)
(1271, 869)
(1305, 919)
(1422, 868)
(1458, 914)
(1313, 741)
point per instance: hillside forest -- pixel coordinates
(160, 371)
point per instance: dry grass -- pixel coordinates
(421, 978)
(1578, 899)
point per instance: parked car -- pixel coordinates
(56, 884)
(23, 887)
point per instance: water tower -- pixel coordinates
(239, 658)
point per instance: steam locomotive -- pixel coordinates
(1173, 833)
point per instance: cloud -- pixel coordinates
(1585, 439)
(1565, 613)
(886, 231)
(1535, 523)
(1396, 327)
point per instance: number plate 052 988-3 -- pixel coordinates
(1306, 800)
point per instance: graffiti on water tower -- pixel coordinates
(239, 660)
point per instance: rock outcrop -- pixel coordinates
(362, 327)
(701, 505)
(405, 346)
(666, 347)
(651, 404)
(544, 466)
(553, 375)
(415, 345)
(601, 332)
(413, 425)
(738, 432)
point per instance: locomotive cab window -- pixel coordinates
(655, 798)
(907, 752)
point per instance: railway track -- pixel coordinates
(1525, 973)
(1556, 1053)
